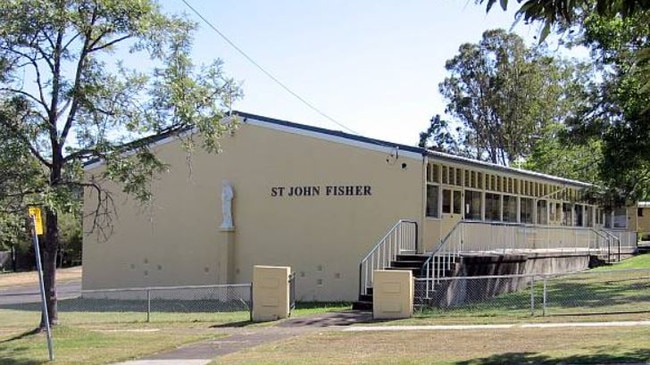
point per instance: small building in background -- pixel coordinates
(640, 220)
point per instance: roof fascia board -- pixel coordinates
(365, 143)
(155, 144)
(385, 148)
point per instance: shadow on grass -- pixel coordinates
(598, 314)
(35, 331)
(10, 354)
(637, 356)
(238, 324)
(9, 361)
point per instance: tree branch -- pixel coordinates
(84, 154)
(34, 62)
(74, 104)
(102, 215)
(106, 45)
(23, 138)
(44, 55)
(26, 94)
(68, 43)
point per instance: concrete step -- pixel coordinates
(405, 263)
(365, 298)
(414, 270)
(362, 305)
(644, 249)
(413, 257)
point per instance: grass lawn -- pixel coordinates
(615, 292)
(99, 337)
(513, 346)
(90, 334)
(102, 337)
(93, 344)
(636, 262)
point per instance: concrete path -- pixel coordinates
(241, 338)
(22, 294)
(203, 352)
(496, 326)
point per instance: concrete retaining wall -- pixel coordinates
(454, 292)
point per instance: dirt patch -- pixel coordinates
(31, 277)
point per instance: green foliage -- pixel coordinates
(13, 231)
(438, 137)
(555, 155)
(71, 238)
(505, 95)
(617, 33)
(564, 14)
(620, 112)
(82, 80)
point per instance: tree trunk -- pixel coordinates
(49, 248)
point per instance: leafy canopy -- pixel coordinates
(86, 79)
(504, 94)
(564, 14)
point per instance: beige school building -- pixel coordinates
(319, 201)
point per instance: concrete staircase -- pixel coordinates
(412, 262)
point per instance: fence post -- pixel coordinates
(532, 296)
(250, 309)
(544, 297)
(148, 305)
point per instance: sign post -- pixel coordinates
(37, 228)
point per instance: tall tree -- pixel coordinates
(79, 79)
(618, 34)
(438, 137)
(620, 112)
(504, 94)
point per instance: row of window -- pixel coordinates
(488, 206)
(468, 178)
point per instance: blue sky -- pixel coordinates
(372, 65)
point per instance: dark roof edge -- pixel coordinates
(414, 149)
(332, 132)
(377, 142)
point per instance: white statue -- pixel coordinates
(227, 194)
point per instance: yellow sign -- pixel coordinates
(38, 221)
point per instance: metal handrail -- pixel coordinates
(618, 241)
(402, 237)
(447, 260)
(604, 236)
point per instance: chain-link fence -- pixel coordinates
(206, 303)
(592, 292)
(165, 302)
